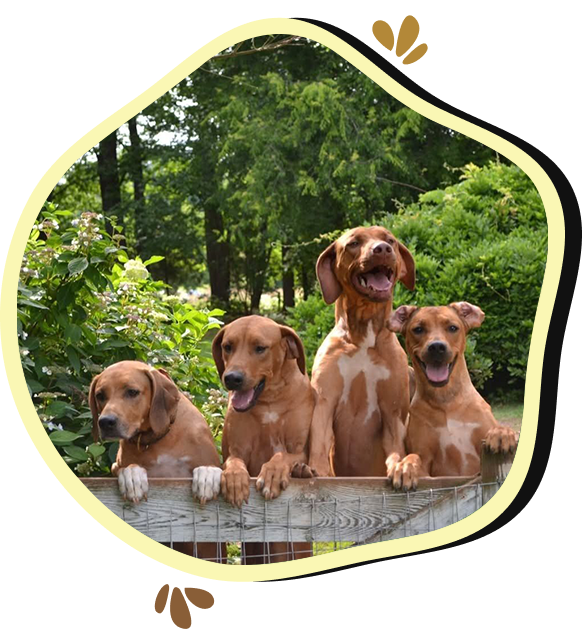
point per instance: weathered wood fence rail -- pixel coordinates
(355, 510)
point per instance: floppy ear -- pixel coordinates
(165, 398)
(471, 315)
(399, 318)
(407, 267)
(330, 286)
(217, 351)
(94, 408)
(294, 346)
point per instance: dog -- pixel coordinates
(266, 427)
(161, 435)
(360, 373)
(448, 418)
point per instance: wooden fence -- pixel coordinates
(330, 510)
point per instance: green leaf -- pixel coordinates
(96, 449)
(73, 358)
(76, 452)
(63, 437)
(154, 259)
(112, 452)
(76, 266)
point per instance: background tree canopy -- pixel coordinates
(227, 188)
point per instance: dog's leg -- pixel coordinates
(133, 483)
(501, 439)
(235, 481)
(321, 436)
(206, 483)
(404, 474)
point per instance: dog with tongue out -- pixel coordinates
(449, 419)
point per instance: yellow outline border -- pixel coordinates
(160, 553)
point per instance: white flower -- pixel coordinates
(135, 270)
(75, 222)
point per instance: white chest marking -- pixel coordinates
(351, 366)
(458, 434)
(270, 418)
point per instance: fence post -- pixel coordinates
(492, 471)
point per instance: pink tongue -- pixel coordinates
(378, 281)
(438, 373)
(242, 399)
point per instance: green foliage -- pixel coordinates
(483, 240)
(83, 305)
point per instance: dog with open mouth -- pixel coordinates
(360, 373)
(266, 427)
(448, 417)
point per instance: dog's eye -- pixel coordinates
(100, 396)
(453, 328)
(227, 348)
(417, 330)
(260, 349)
(354, 244)
(132, 392)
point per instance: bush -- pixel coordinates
(82, 305)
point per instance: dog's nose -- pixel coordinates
(437, 349)
(234, 380)
(107, 422)
(381, 248)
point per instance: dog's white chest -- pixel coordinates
(167, 465)
(361, 362)
(458, 434)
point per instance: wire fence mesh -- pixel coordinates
(312, 517)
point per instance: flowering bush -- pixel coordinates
(83, 305)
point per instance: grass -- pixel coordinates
(509, 414)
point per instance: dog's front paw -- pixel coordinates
(133, 483)
(501, 439)
(206, 483)
(405, 473)
(273, 478)
(302, 470)
(235, 485)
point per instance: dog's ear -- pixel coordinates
(94, 407)
(471, 315)
(165, 398)
(399, 318)
(330, 286)
(217, 351)
(293, 346)
(407, 267)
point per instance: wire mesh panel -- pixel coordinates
(312, 517)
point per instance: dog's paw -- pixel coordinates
(235, 485)
(133, 483)
(404, 474)
(273, 478)
(206, 483)
(501, 439)
(302, 470)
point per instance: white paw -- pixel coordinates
(206, 482)
(133, 483)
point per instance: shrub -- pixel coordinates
(82, 305)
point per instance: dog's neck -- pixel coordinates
(145, 438)
(459, 385)
(357, 316)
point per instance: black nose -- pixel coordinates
(107, 423)
(437, 349)
(234, 380)
(381, 247)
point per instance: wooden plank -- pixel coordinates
(310, 510)
(494, 469)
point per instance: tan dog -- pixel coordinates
(266, 429)
(161, 434)
(448, 418)
(360, 372)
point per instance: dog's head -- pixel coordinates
(130, 397)
(365, 263)
(435, 337)
(250, 353)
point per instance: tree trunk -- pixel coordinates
(305, 283)
(288, 279)
(109, 178)
(217, 255)
(136, 173)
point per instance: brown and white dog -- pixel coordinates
(360, 372)
(448, 418)
(266, 428)
(161, 434)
